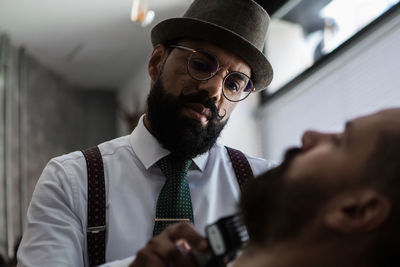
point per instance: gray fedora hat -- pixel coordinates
(236, 25)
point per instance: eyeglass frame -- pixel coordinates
(213, 74)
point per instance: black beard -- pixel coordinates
(185, 137)
(276, 209)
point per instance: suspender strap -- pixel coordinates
(96, 222)
(241, 167)
(96, 225)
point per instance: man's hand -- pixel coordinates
(171, 247)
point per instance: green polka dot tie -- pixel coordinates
(174, 203)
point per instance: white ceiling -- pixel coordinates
(92, 43)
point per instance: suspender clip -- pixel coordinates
(96, 229)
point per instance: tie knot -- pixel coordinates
(172, 166)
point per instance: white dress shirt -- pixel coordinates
(57, 215)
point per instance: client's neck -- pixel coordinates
(289, 254)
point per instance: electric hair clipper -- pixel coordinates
(225, 237)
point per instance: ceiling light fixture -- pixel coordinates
(141, 14)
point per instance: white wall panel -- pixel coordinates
(360, 80)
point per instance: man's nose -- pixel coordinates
(312, 138)
(213, 86)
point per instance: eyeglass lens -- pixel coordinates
(203, 66)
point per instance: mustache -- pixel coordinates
(280, 170)
(273, 178)
(290, 154)
(203, 99)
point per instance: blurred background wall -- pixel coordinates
(359, 79)
(42, 116)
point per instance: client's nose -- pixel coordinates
(313, 138)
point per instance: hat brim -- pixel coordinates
(176, 28)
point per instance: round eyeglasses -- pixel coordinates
(202, 66)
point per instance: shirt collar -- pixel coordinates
(149, 150)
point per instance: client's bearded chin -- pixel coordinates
(274, 208)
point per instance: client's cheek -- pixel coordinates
(302, 166)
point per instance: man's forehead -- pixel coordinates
(385, 120)
(391, 115)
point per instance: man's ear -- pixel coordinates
(156, 61)
(361, 210)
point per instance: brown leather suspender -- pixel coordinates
(96, 222)
(96, 228)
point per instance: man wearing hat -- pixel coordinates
(106, 203)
